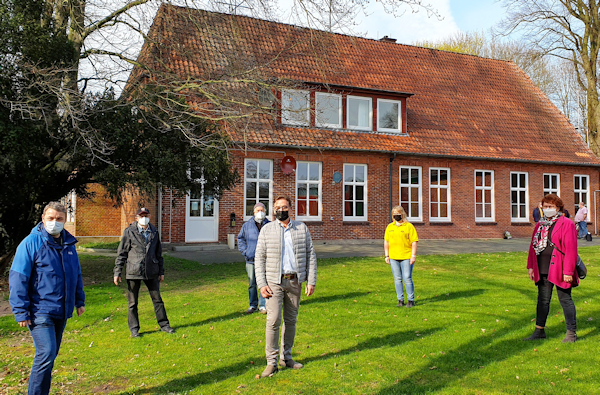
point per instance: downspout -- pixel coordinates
(391, 180)
(170, 214)
(595, 213)
(160, 210)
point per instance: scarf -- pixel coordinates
(540, 238)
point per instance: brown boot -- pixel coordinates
(571, 337)
(269, 371)
(539, 333)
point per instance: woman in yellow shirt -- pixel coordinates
(400, 248)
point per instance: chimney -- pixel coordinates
(387, 39)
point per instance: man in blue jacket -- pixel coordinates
(247, 246)
(45, 286)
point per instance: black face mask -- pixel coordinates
(397, 218)
(282, 215)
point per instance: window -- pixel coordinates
(389, 115)
(581, 185)
(439, 194)
(258, 185)
(552, 184)
(201, 205)
(484, 195)
(294, 107)
(410, 192)
(308, 191)
(328, 110)
(360, 113)
(518, 197)
(69, 202)
(355, 192)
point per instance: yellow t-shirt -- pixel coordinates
(400, 239)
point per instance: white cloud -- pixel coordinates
(410, 26)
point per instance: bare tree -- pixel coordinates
(569, 30)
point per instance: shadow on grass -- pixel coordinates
(391, 340)
(331, 298)
(225, 317)
(238, 369)
(467, 359)
(194, 380)
(452, 295)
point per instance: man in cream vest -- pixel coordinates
(285, 258)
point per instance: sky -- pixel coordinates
(457, 15)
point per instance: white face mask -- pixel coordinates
(550, 212)
(259, 216)
(143, 221)
(54, 227)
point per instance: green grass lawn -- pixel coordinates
(103, 245)
(463, 336)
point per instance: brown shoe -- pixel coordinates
(571, 337)
(263, 311)
(290, 363)
(400, 303)
(269, 371)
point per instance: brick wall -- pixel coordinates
(332, 226)
(97, 216)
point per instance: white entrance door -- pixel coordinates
(201, 219)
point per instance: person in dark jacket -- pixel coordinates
(45, 287)
(140, 251)
(247, 246)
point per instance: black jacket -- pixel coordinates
(144, 261)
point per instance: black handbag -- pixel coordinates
(581, 269)
(579, 266)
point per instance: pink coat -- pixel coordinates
(565, 238)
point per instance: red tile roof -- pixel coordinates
(463, 105)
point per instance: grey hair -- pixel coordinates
(56, 206)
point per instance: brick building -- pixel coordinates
(467, 145)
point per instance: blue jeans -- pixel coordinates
(402, 270)
(583, 229)
(256, 299)
(47, 335)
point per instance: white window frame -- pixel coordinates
(258, 180)
(355, 183)
(370, 127)
(419, 186)
(579, 191)
(382, 129)
(484, 188)
(340, 113)
(70, 203)
(286, 95)
(439, 187)
(519, 189)
(549, 190)
(308, 182)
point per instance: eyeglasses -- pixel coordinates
(283, 208)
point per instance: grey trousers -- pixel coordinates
(286, 298)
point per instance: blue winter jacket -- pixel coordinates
(247, 239)
(45, 277)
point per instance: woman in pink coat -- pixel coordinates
(551, 261)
